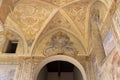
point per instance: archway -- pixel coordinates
(60, 58)
(59, 70)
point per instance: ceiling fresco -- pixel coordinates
(34, 19)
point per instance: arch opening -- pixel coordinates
(59, 70)
(65, 58)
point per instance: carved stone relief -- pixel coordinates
(60, 43)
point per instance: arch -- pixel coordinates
(19, 36)
(60, 58)
(66, 17)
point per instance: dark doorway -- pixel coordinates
(60, 67)
(60, 70)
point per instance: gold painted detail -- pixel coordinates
(77, 12)
(30, 16)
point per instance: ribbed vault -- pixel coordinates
(33, 19)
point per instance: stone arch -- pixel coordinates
(60, 58)
(52, 32)
(16, 35)
(15, 30)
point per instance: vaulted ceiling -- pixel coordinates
(33, 19)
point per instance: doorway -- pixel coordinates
(42, 65)
(60, 70)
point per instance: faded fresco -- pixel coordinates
(60, 43)
(7, 72)
(116, 67)
(109, 43)
(97, 69)
(111, 69)
(116, 19)
(107, 71)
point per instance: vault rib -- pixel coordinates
(69, 3)
(43, 27)
(73, 24)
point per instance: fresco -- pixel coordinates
(107, 71)
(7, 72)
(97, 69)
(116, 67)
(109, 43)
(60, 43)
(111, 70)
